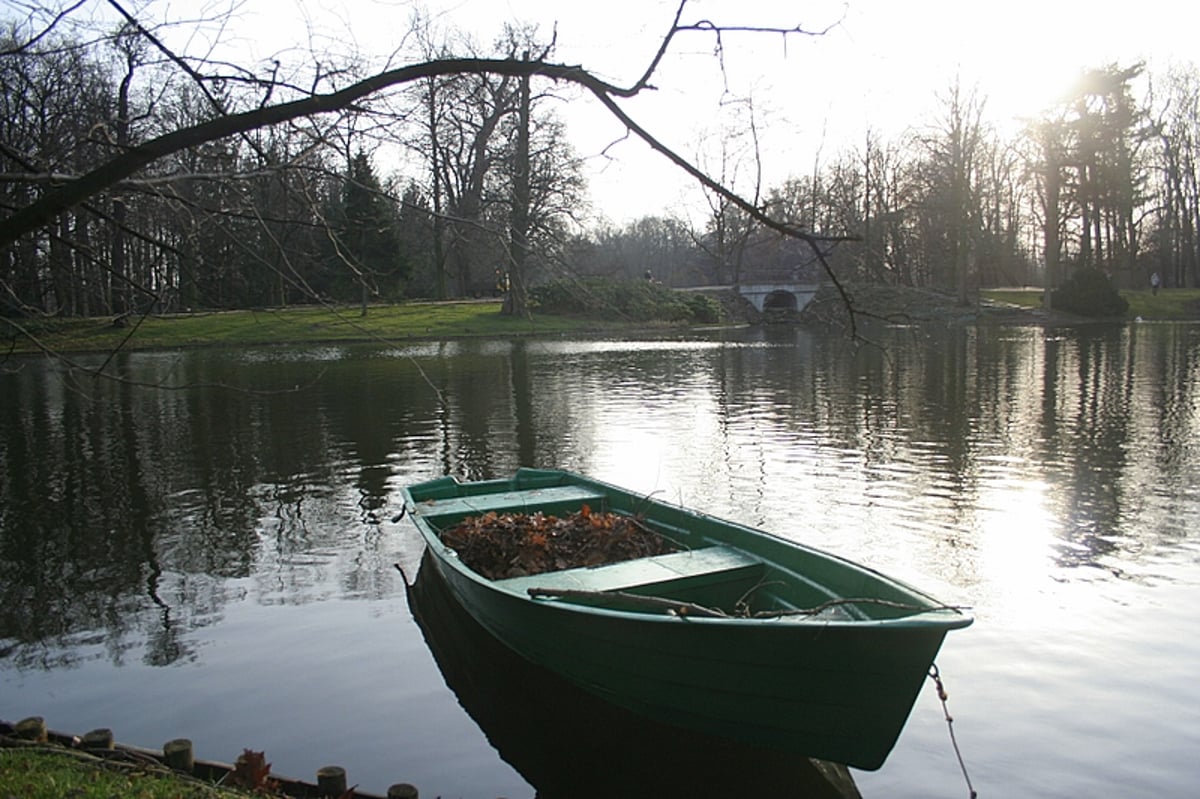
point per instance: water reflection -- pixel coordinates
(994, 466)
(570, 745)
(125, 508)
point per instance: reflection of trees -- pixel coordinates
(479, 394)
(81, 488)
(522, 402)
(74, 551)
(1094, 403)
(949, 411)
(129, 511)
(1117, 416)
(129, 518)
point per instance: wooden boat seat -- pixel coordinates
(708, 562)
(550, 500)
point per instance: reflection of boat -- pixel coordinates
(569, 743)
(740, 635)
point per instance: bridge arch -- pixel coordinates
(779, 300)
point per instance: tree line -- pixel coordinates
(1106, 179)
(280, 214)
(464, 183)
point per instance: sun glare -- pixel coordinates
(1016, 541)
(1022, 56)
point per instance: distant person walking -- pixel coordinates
(1155, 282)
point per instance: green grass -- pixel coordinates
(1167, 305)
(1023, 298)
(43, 774)
(391, 323)
(402, 322)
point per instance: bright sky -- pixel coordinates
(882, 66)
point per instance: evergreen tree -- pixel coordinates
(366, 248)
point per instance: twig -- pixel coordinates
(672, 606)
(17, 49)
(685, 609)
(832, 603)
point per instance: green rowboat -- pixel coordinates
(739, 634)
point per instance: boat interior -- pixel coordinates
(704, 578)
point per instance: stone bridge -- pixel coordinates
(778, 296)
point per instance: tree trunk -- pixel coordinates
(1050, 227)
(122, 300)
(435, 168)
(517, 303)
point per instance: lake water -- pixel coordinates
(204, 547)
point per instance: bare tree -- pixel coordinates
(738, 158)
(268, 101)
(1107, 128)
(1176, 128)
(1050, 175)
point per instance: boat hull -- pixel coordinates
(565, 741)
(838, 690)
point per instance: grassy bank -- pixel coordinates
(441, 320)
(1167, 305)
(391, 323)
(44, 774)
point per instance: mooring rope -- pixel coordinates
(936, 676)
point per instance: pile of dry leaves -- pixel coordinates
(501, 545)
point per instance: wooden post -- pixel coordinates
(331, 781)
(177, 754)
(32, 729)
(402, 791)
(101, 738)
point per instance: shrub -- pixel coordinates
(1089, 292)
(704, 309)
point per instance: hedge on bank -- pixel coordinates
(1089, 292)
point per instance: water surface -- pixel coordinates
(203, 547)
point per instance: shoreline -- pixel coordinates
(420, 322)
(96, 752)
